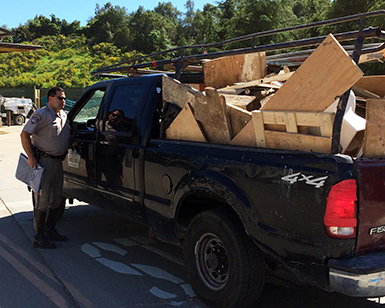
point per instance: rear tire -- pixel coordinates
(225, 267)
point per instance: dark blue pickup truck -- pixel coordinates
(237, 211)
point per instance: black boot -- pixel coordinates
(51, 233)
(39, 240)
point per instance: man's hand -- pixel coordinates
(32, 162)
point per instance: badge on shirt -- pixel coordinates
(35, 119)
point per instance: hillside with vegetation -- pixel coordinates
(113, 35)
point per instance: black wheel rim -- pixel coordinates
(212, 261)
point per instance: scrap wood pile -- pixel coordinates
(242, 105)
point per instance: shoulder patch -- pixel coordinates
(35, 119)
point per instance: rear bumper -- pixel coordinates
(359, 277)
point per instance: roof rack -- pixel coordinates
(185, 63)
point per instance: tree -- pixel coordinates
(110, 25)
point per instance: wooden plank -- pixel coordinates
(291, 122)
(374, 142)
(221, 72)
(327, 73)
(370, 57)
(238, 118)
(259, 128)
(290, 141)
(173, 91)
(374, 84)
(211, 112)
(185, 127)
(259, 82)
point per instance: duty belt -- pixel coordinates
(39, 153)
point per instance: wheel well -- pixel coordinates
(195, 203)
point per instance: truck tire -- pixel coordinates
(18, 119)
(224, 266)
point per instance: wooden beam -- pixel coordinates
(374, 141)
(327, 73)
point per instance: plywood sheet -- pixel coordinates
(185, 127)
(211, 112)
(374, 142)
(327, 73)
(246, 137)
(374, 84)
(221, 72)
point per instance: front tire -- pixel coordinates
(225, 267)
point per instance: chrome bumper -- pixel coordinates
(358, 277)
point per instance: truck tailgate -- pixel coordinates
(371, 209)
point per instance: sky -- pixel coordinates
(17, 12)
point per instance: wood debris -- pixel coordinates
(243, 106)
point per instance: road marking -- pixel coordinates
(162, 294)
(152, 271)
(118, 267)
(91, 251)
(110, 247)
(157, 272)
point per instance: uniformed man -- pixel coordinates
(45, 141)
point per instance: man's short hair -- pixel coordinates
(52, 92)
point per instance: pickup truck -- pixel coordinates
(237, 211)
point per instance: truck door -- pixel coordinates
(116, 149)
(79, 166)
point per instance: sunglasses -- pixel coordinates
(60, 98)
(116, 115)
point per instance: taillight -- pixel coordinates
(341, 210)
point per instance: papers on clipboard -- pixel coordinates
(28, 175)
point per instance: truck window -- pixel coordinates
(121, 113)
(90, 110)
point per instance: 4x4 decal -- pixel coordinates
(309, 179)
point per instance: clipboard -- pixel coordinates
(33, 177)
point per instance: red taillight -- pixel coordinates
(341, 210)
